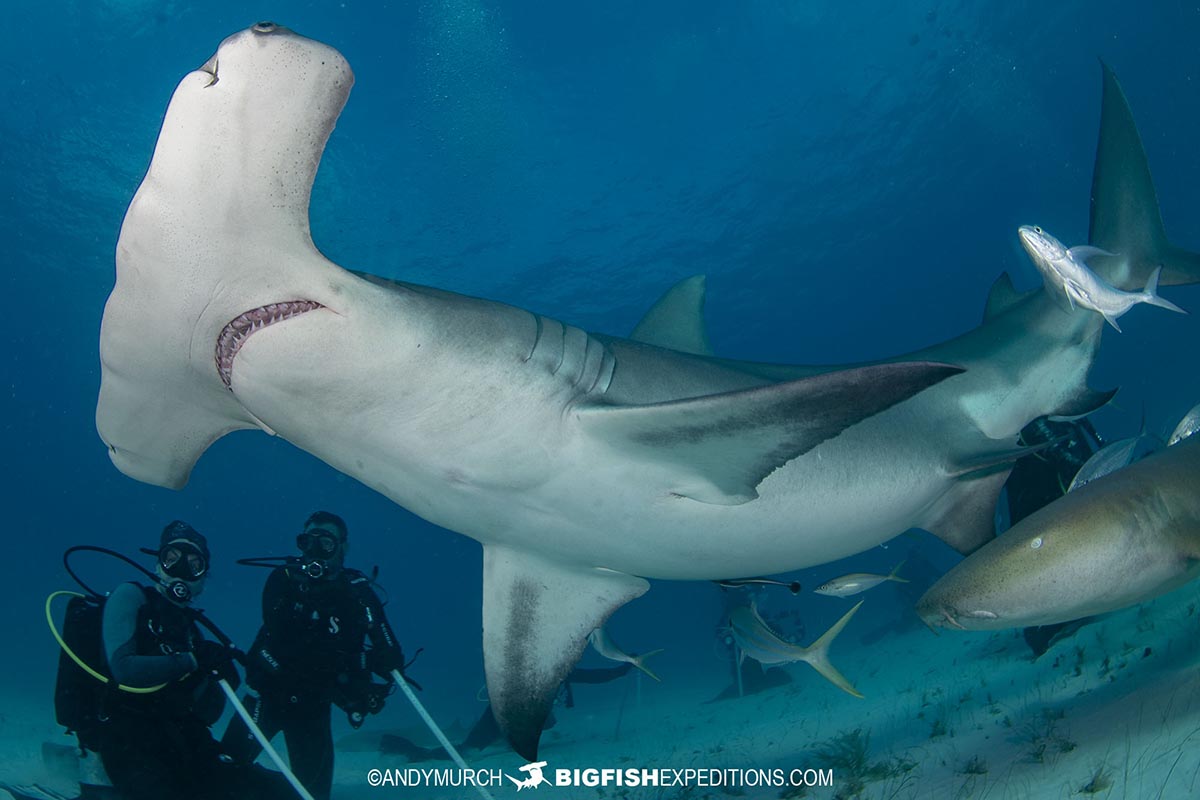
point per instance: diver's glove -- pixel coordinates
(216, 659)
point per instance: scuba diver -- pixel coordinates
(153, 736)
(323, 635)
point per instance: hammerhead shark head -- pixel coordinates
(583, 463)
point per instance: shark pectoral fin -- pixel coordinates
(537, 615)
(718, 448)
(964, 517)
(676, 321)
(1083, 403)
(816, 655)
(1002, 297)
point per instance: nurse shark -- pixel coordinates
(583, 463)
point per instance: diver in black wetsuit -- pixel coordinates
(158, 744)
(312, 652)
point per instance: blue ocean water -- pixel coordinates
(850, 177)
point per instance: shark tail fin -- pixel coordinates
(1125, 216)
(640, 663)
(816, 655)
(894, 575)
(1151, 292)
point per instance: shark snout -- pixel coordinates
(939, 610)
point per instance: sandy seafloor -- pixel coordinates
(959, 715)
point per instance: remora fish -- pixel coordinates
(583, 463)
(736, 583)
(756, 640)
(856, 582)
(1120, 540)
(1064, 269)
(605, 646)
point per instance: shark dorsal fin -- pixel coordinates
(676, 321)
(1002, 296)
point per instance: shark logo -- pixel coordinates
(535, 779)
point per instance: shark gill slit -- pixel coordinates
(240, 328)
(537, 336)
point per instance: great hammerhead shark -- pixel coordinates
(584, 463)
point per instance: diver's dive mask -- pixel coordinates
(183, 561)
(321, 552)
(182, 568)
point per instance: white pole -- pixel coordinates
(433, 726)
(258, 734)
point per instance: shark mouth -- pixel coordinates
(239, 329)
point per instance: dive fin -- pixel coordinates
(676, 321)
(718, 448)
(537, 615)
(1125, 216)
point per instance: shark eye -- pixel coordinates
(265, 27)
(1036, 229)
(1036, 543)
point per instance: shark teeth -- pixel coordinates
(239, 329)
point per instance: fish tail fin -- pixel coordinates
(816, 655)
(894, 575)
(639, 662)
(1151, 293)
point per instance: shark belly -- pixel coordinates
(510, 466)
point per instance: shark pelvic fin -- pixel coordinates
(1125, 217)
(1084, 403)
(964, 517)
(537, 615)
(676, 321)
(718, 448)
